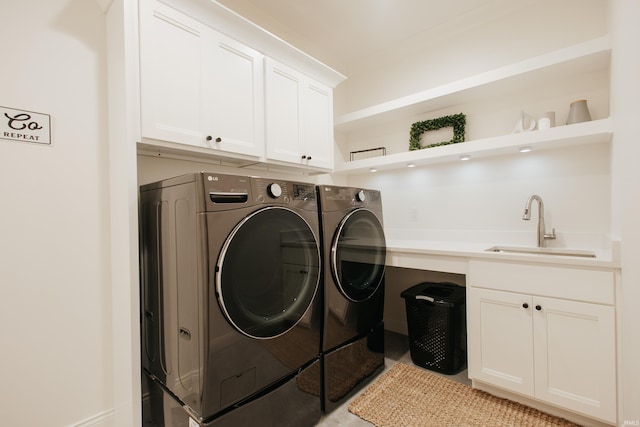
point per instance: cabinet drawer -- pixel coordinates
(559, 282)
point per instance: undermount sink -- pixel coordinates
(542, 251)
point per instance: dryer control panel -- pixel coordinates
(333, 198)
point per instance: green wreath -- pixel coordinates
(457, 121)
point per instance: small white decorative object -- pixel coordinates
(547, 120)
(526, 123)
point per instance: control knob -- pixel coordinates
(361, 196)
(274, 190)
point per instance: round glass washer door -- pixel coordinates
(358, 255)
(268, 272)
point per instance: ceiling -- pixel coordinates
(342, 32)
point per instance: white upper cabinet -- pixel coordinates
(299, 113)
(198, 87)
(171, 66)
(234, 118)
(205, 92)
(284, 112)
(317, 128)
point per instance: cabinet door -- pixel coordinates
(233, 94)
(575, 356)
(299, 125)
(283, 104)
(171, 57)
(317, 128)
(500, 339)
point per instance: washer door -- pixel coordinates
(268, 272)
(358, 255)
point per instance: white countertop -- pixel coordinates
(453, 256)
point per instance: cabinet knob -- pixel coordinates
(538, 307)
(304, 157)
(210, 138)
(309, 158)
(525, 305)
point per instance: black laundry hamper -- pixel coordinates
(436, 320)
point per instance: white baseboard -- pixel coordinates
(104, 419)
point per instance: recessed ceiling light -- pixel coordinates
(465, 157)
(411, 165)
(373, 170)
(525, 149)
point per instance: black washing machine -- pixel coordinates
(231, 307)
(354, 251)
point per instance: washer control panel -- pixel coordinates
(287, 192)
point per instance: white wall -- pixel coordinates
(478, 41)
(586, 189)
(625, 92)
(491, 116)
(55, 305)
(486, 197)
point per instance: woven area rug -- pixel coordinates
(411, 396)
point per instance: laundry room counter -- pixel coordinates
(454, 256)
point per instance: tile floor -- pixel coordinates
(396, 350)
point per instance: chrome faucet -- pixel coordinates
(542, 233)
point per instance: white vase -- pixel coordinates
(547, 120)
(578, 112)
(526, 123)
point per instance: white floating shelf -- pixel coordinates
(588, 56)
(598, 131)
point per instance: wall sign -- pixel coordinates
(25, 126)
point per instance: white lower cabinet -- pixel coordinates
(500, 337)
(555, 350)
(299, 118)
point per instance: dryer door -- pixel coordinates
(268, 272)
(358, 255)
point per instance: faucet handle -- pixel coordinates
(551, 236)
